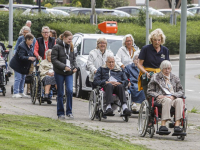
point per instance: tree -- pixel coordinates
(27, 1)
(178, 3)
(86, 3)
(99, 3)
(115, 3)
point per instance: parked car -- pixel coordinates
(134, 10)
(3, 8)
(66, 9)
(121, 13)
(83, 44)
(87, 11)
(57, 12)
(22, 7)
(35, 10)
(177, 12)
(194, 10)
(192, 5)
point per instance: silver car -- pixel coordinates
(83, 44)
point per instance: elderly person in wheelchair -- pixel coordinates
(168, 91)
(113, 80)
(47, 74)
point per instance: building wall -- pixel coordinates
(157, 4)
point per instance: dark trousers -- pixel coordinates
(118, 90)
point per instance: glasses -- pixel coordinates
(102, 43)
(45, 32)
(129, 41)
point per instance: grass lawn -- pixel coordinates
(40, 133)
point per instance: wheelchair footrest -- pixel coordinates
(163, 132)
(135, 112)
(122, 115)
(108, 114)
(179, 134)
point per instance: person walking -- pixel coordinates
(21, 63)
(64, 65)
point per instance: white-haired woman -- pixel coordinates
(125, 53)
(132, 72)
(47, 74)
(151, 57)
(43, 43)
(97, 57)
(167, 90)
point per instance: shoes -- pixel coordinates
(70, 116)
(109, 111)
(46, 97)
(61, 117)
(28, 93)
(24, 95)
(134, 107)
(163, 128)
(16, 96)
(178, 129)
(127, 112)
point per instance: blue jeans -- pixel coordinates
(19, 83)
(60, 79)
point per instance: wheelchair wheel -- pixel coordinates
(143, 118)
(4, 92)
(151, 131)
(12, 89)
(100, 114)
(125, 118)
(184, 124)
(92, 104)
(34, 90)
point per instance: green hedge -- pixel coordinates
(125, 26)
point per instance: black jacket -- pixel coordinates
(20, 62)
(40, 40)
(102, 75)
(58, 58)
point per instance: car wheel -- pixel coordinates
(78, 85)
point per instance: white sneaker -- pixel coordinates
(134, 107)
(16, 96)
(24, 95)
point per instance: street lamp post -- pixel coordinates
(147, 22)
(10, 28)
(182, 50)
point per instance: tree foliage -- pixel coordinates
(99, 3)
(4, 1)
(27, 1)
(115, 3)
(178, 3)
(86, 3)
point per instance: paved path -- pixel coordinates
(113, 126)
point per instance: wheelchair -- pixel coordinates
(150, 114)
(37, 89)
(97, 104)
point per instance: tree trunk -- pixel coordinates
(178, 3)
(170, 3)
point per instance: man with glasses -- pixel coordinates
(43, 43)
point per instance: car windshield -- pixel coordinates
(90, 44)
(155, 12)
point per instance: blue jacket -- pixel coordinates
(102, 75)
(20, 62)
(132, 73)
(21, 39)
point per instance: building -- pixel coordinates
(158, 4)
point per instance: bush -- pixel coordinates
(125, 26)
(48, 5)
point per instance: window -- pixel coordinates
(134, 11)
(77, 46)
(90, 44)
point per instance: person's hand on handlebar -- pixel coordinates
(31, 58)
